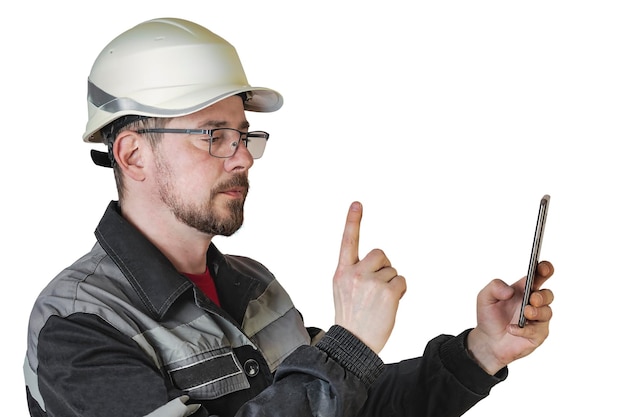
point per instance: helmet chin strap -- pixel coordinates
(102, 159)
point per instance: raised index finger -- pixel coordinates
(349, 252)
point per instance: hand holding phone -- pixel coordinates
(534, 255)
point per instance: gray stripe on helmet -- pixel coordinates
(124, 105)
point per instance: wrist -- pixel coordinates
(480, 351)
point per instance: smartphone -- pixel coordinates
(534, 255)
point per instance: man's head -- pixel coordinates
(162, 96)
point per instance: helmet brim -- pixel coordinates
(188, 101)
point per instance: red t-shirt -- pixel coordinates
(206, 284)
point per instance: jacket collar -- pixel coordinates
(150, 273)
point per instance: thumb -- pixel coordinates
(349, 252)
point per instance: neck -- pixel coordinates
(184, 246)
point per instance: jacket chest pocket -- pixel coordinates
(211, 377)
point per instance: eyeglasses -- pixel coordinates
(223, 141)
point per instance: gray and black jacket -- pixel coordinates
(122, 333)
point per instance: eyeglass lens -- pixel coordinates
(224, 143)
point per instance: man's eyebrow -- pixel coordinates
(223, 123)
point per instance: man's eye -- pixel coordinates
(216, 137)
(212, 138)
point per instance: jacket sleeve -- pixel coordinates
(445, 381)
(87, 368)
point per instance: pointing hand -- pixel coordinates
(366, 292)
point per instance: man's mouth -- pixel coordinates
(236, 187)
(237, 192)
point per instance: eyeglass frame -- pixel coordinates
(255, 134)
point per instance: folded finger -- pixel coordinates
(541, 298)
(538, 314)
(544, 271)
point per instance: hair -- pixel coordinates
(111, 132)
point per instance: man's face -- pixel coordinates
(202, 191)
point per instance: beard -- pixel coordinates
(205, 217)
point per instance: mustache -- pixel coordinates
(237, 181)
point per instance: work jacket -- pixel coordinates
(122, 333)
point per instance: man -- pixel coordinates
(155, 321)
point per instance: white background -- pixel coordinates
(448, 120)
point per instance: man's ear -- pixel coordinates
(129, 149)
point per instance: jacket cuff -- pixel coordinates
(457, 359)
(352, 354)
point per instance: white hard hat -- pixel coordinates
(167, 68)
